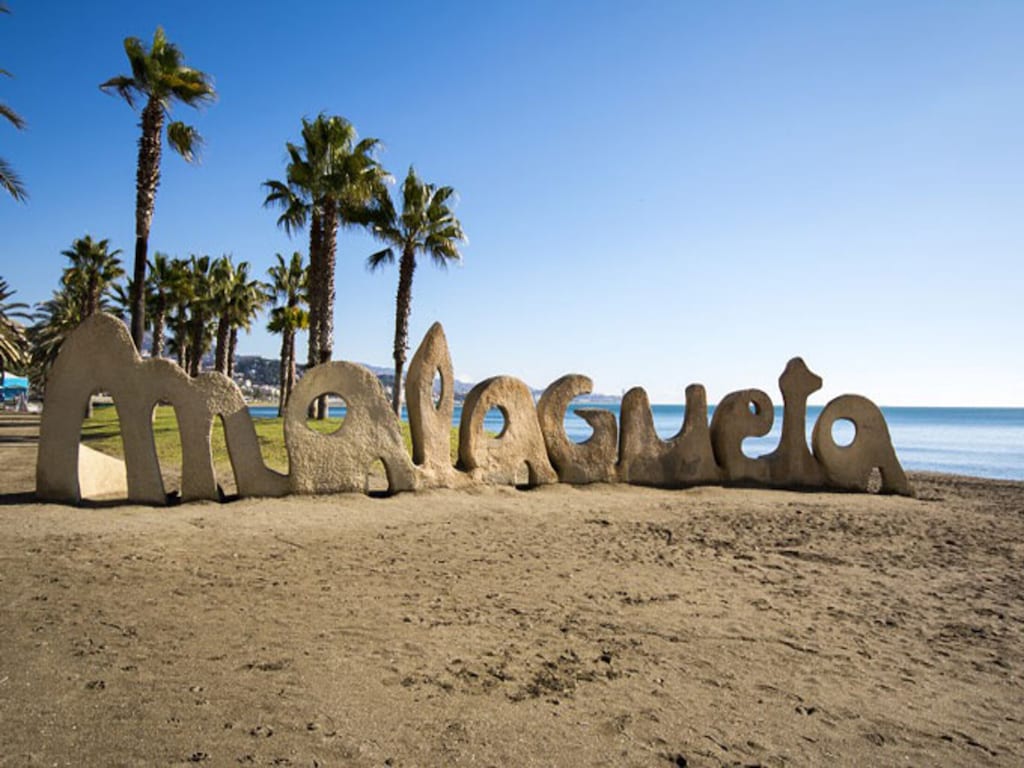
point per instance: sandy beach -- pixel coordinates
(601, 626)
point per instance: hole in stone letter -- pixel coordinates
(223, 471)
(377, 479)
(875, 481)
(167, 435)
(576, 428)
(435, 390)
(753, 407)
(844, 432)
(336, 409)
(100, 477)
(522, 480)
(495, 421)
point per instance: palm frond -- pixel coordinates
(12, 117)
(380, 258)
(135, 50)
(11, 182)
(125, 87)
(185, 140)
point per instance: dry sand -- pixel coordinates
(600, 626)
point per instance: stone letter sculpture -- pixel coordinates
(792, 465)
(849, 467)
(430, 425)
(747, 413)
(497, 459)
(99, 356)
(340, 461)
(683, 460)
(592, 461)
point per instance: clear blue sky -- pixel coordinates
(655, 193)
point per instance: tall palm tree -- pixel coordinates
(332, 179)
(9, 180)
(13, 342)
(289, 285)
(94, 268)
(159, 77)
(425, 225)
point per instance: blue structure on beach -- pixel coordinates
(13, 386)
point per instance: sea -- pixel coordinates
(980, 442)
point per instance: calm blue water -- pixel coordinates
(984, 442)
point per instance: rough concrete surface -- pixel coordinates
(592, 461)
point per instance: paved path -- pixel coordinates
(19, 440)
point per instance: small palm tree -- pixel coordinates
(94, 268)
(54, 320)
(13, 342)
(87, 287)
(200, 311)
(161, 284)
(177, 313)
(426, 225)
(9, 180)
(289, 285)
(159, 77)
(331, 179)
(222, 283)
(245, 301)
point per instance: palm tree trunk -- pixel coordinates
(403, 307)
(92, 301)
(328, 257)
(221, 359)
(317, 409)
(232, 346)
(196, 345)
(290, 372)
(181, 338)
(156, 349)
(147, 178)
(282, 369)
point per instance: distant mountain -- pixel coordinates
(265, 372)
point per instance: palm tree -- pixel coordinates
(222, 281)
(161, 284)
(244, 300)
(290, 283)
(13, 342)
(9, 180)
(93, 270)
(87, 286)
(426, 225)
(332, 179)
(159, 77)
(54, 320)
(178, 314)
(119, 303)
(200, 306)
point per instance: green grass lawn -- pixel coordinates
(103, 433)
